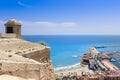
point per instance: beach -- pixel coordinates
(72, 71)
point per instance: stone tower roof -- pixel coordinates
(13, 22)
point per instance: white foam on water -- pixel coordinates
(69, 67)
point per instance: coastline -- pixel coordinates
(73, 45)
(76, 66)
(80, 71)
(75, 69)
(69, 67)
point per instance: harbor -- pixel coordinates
(94, 65)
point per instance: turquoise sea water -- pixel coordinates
(63, 47)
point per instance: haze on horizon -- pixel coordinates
(63, 17)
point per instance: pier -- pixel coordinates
(96, 66)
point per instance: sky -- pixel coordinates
(63, 17)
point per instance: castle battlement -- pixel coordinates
(22, 58)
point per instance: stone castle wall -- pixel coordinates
(43, 56)
(7, 35)
(24, 70)
(40, 55)
(41, 70)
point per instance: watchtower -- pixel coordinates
(13, 27)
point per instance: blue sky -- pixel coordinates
(59, 17)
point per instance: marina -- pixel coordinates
(94, 66)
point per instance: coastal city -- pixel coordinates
(93, 66)
(27, 57)
(59, 39)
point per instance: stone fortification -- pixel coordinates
(16, 65)
(22, 58)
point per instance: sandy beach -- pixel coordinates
(73, 71)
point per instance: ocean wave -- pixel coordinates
(69, 67)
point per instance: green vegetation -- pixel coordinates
(0, 64)
(18, 53)
(24, 56)
(9, 50)
(9, 55)
(43, 43)
(33, 49)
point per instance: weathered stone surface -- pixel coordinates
(23, 58)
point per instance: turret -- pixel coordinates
(13, 27)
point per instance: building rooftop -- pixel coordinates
(12, 22)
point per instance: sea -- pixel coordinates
(64, 48)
